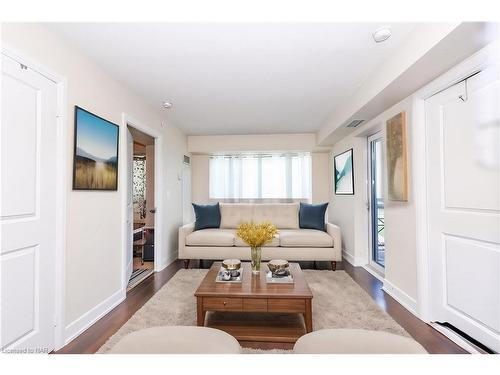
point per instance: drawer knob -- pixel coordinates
(224, 303)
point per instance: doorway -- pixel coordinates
(140, 205)
(376, 202)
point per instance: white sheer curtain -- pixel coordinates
(260, 177)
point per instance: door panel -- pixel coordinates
(475, 302)
(28, 184)
(19, 195)
(19, 267)
(463, 161)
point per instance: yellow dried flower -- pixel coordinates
(256, 235)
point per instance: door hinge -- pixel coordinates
(23, 67)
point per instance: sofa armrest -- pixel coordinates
(184, 231)
(334, 231)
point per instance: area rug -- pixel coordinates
(339, 302)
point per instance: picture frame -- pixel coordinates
(397, 158)
(95, 152)
(343, 171)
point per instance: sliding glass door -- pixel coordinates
(376, 200)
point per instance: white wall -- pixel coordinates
(351, 214)
(94, 219)
(203, 146)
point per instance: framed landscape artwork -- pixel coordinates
(95, 163)
(344, 173)
(397, 161)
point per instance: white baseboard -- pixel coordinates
(173, 258)
(456, 338)
(373, 272)
(404, 299)
(352, 260)
(78, 326)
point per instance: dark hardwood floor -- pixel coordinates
(95, 336)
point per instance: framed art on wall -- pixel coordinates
(397, 161)
(344, 173)
(95, 159)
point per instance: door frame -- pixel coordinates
(379, 134)
(474, 64)
(61, 183)
(128, 120)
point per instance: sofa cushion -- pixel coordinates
(305, 238)
(207, 216)
(233, 214)
(240, 243)
(312, 216)
(211, 237)
(283, 216)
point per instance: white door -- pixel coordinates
(463, 161)
(130, 205)
(28, 201)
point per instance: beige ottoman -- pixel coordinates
(177, 340)
(355, 341)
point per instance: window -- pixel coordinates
(261, 176)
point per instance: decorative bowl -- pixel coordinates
(231, 264)
(277, 266)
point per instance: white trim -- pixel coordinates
(78, 326)
(404, 299)
(158, 182)
(373, 271)
(356, 262)
(61, 189)
(173, 258)
(471, 65)
(456, 338)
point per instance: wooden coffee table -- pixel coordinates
(255, 295)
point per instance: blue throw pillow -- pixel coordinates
(207, 216)
(312, 216)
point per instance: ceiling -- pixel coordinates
(239, 78)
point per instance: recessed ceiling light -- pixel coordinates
(167, 105)
(382, 34)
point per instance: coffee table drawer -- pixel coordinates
(222, 304)
(290, 305)
(255, 304)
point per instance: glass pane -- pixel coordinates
(250, 177)
(273, 177)
(377, 194)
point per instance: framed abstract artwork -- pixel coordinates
(344, 173)
(95, 159)
(397, 159)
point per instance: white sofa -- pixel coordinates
(291, 243)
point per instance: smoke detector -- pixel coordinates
(382, 34)
(167, 105)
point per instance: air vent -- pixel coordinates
(187, 160)
(354, 123)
